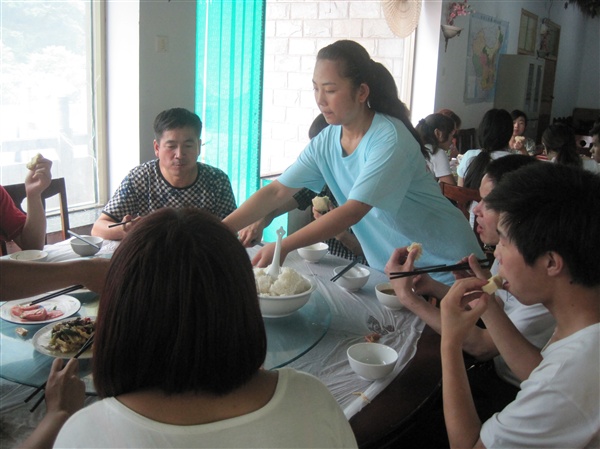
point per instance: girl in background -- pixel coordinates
(437, 132)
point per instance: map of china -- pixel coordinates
(485, 58)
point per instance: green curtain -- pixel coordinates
(229, 68)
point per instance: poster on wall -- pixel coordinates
(488, 39)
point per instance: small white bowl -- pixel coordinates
(83, 249)
(354, 279)
(386, 296)
(29, 255)
(314, 253)
(280, 306)
(372, 361)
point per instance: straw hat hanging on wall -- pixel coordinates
(402, 16)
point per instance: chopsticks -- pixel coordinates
(77, 236)
(122, 223)
(344, 271)
(55, 294)
(84, 348)
(485, 263)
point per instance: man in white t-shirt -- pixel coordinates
(559, 402)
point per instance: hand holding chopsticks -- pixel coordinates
(84, 348)
(485, 263)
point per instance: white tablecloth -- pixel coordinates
(354, 315)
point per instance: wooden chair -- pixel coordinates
(57, 187)
(465, 140)
(461, 197)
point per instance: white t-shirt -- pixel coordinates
(438, 163)
(591, 165)
(388, 172)
(301, 413)
(535, 322)
(559, 405)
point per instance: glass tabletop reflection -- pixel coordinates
(288, 338)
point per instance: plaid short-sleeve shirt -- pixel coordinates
(145, 190)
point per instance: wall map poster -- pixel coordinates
(488, 39)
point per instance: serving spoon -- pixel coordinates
(273, 269)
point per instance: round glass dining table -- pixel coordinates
(288, 338)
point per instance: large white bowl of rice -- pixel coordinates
(284, 295)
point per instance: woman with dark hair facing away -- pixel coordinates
(518, 142)
(179, 346)
(373, 161)
(560, 147)
(493, 134)
(437, 132)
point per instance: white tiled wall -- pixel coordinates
(295, 31)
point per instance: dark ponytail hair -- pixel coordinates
(494, 133)
(427, 126)
(357, 65)
(560, 138)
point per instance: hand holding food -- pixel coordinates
(321, 203)
(34, 161)
(416, 247)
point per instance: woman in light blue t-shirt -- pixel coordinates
(372, 159)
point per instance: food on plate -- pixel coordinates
(69, 336)
(321, 203)
(494, 283)
(21, 331)
(289, 282)
(36, 312)
(417, 247)
(33, 162)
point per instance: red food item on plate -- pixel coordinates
(19, 310)
(35, 315)
(55, 314)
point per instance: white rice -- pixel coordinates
(289, 282)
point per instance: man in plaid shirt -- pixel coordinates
(174, 179)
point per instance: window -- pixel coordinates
(527, 32)
(49, 93)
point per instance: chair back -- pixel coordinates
(461, 197)
(465, 140)
(57, 187)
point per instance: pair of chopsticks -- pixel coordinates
(77, 236)
(55, 294)
(344, 271)
(122, 223)
(84, 348)
(485, 263)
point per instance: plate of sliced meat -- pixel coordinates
(54, 309)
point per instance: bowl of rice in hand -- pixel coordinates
(284, 295)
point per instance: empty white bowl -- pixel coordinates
(372, 361)
(29, 255)
(314, 253)
(386, 296)
(83, 249)
(354, 279)
(280, 306)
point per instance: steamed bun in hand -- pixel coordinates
(34, 161)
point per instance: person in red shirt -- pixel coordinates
(27, 230)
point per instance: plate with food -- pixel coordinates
(54, 309)
(64, 338)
